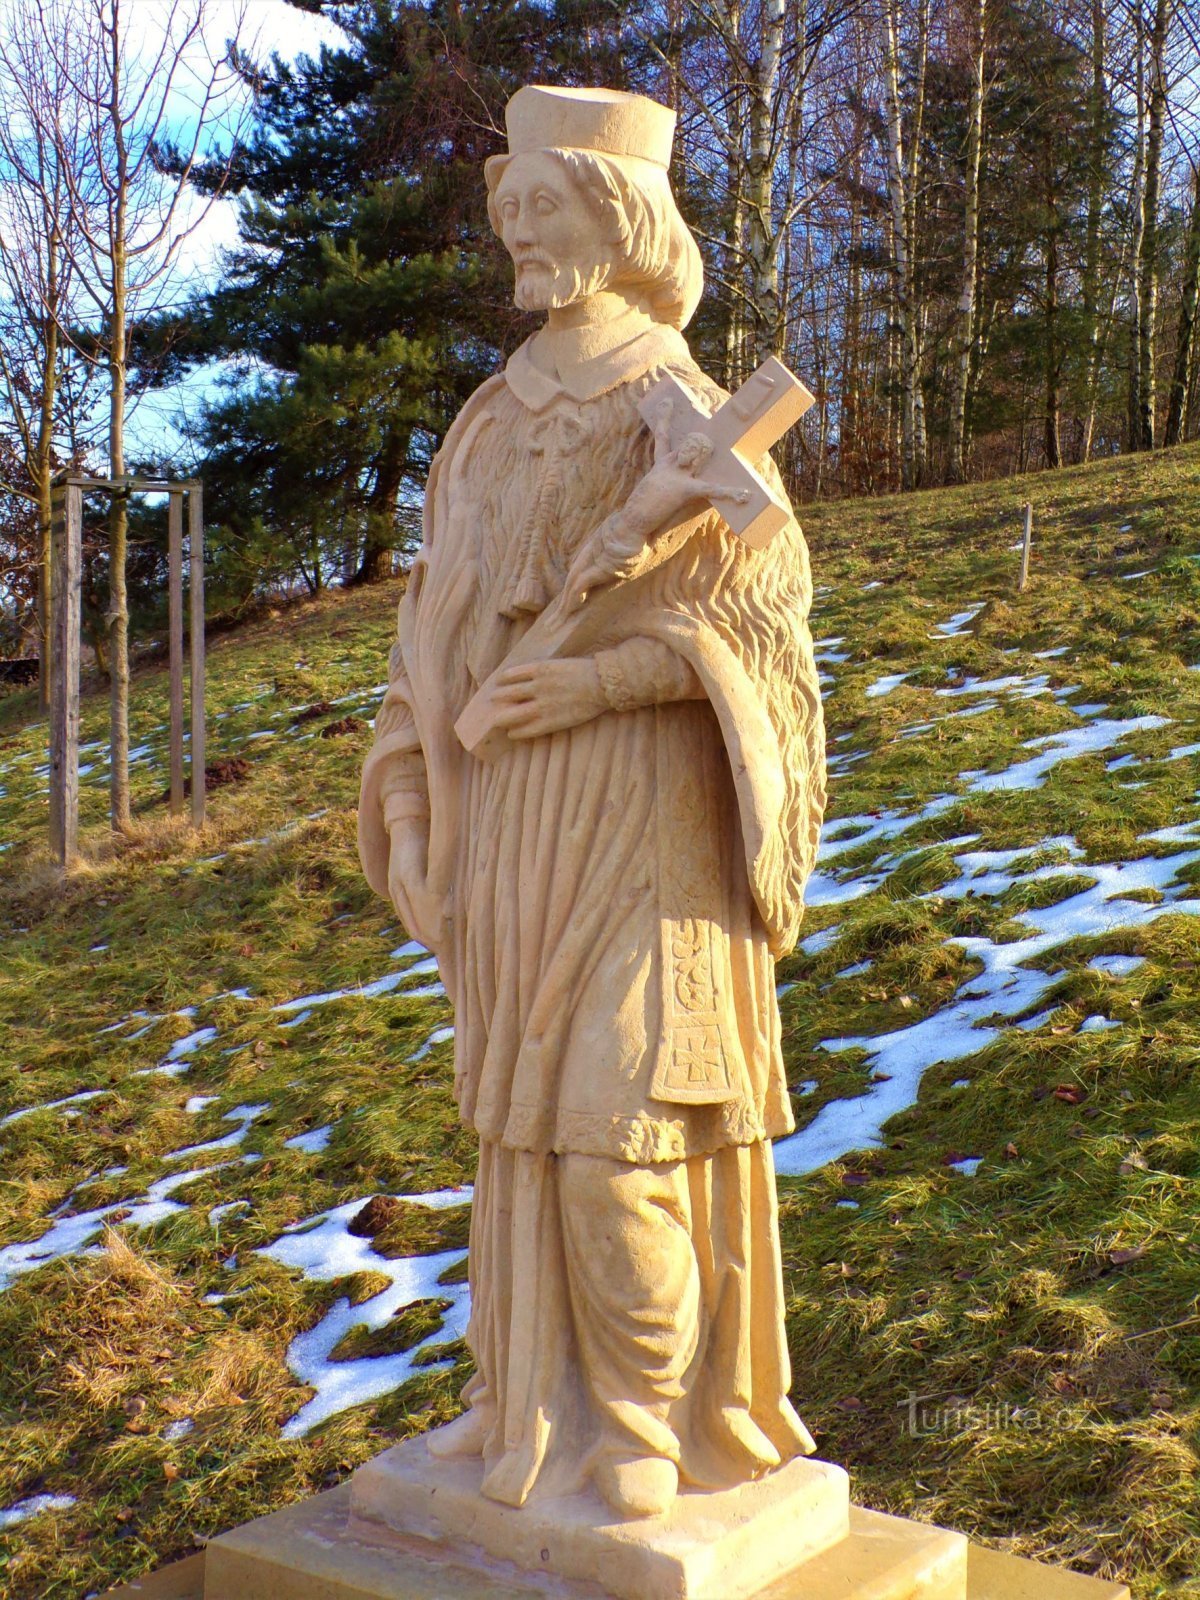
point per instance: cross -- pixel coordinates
(741, 431)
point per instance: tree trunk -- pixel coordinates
(1139, 225)
(956, 466)
(43, 465)
(118, 531)
(903, 267)
(762, 238)
(1149, 263)
(1053, 356)
(1185, 350)
(375, 562)
(1095, 211)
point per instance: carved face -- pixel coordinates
(553, 232)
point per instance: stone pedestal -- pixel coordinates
(407, 1527)
(723, 1545)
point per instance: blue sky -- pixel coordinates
(265, 28)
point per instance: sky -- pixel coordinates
(264, 28)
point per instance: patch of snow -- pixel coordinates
(1067, 745)
(886, 684)
(244, 1116)
(1116, 966)
(178, 1429)
(52, 1105)
(1098, 1024)
(438, 1036)
(958, 621)
(1005, 989)
(230, 1206)
(315, 1140)
(1023, 687)
(71, 1235)
(968, 1166)
(31, 1507)
(854, 971)
(175, 1062)
(368, 991)
(324, 1249)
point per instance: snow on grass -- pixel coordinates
(886, 684)
(306, 1003)
(324, 1249)
(438, 1036)
(52, 1105)
(70, 1235)
(956, 624)
(1018, 684)
(821, 940)
(1098, 1024)
(176, 1062)
(312, 1142)
(244, 1116)
(1005, 991)
(33, 1506)
(1116, 966)
(1066, 745)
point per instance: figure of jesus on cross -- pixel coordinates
(688, 442)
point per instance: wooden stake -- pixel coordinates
(67, 560)
(196, 630)
(175, 643)
(1026, 547)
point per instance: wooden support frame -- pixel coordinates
(67, 563)
(66, 551)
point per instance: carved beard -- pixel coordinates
(532, 292)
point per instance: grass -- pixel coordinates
(1046, 1308)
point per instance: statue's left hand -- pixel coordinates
(546, 696)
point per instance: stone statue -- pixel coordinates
(607, 878)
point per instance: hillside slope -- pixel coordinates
(215, 1049)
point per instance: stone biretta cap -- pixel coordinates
(608, 121)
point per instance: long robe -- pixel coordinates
(617, 893)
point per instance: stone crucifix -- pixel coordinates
(724, 446)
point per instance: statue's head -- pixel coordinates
(583, 202)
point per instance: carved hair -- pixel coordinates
(655, 251)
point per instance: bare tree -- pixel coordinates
(37, 278)
(142, 117)
(903, 179)
(1185, 349)
(964, 334)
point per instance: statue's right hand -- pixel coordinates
(423, 912)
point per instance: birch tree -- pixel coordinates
(964, 336)
(902, 181)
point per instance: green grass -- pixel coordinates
(1049, 1305)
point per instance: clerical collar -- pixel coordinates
(629, 356)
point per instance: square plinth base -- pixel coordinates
(727, 1544)
(314, 1551)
